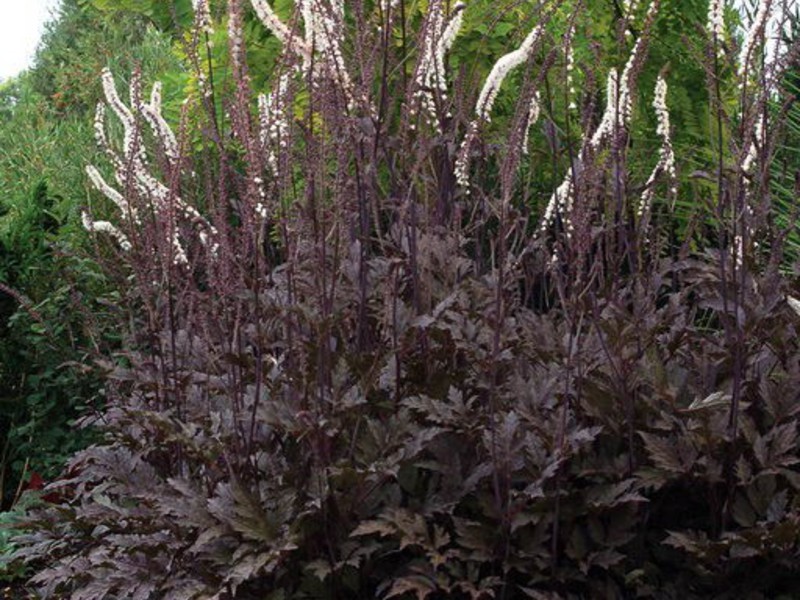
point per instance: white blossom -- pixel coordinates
(461, 170)
(323, 24)
(110, 193)
(202, 11)
(571, 93)
(716, 22)
(132, 169)
(235, 39)
(754, 34)
(560, 202)
(437, 40)
(617, 115)
(102, 140)
(629, 8)
(272, 22)
(323, 29)
(451, 31)
(338, 9)
(501, 69)
(619, 100)
(273, 121)
(165, 135)
(752, 152)
(666, 161)
(625, 95)
(611, 113)
(112, 97)
(533, 116)
(625, 105)
(108, 228)
(131, 142)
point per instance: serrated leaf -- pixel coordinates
(319, 568)
(380, 527)
(783, 443)
(715, 400)
(662, 452)
(419, 585)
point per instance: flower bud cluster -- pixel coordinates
(202, 12)
(752, 152)
(755, 35)
(236, 38)
(571, 92)
(203, 25)
(533, 115)
(461, 170)
(716, 23)
(274, 121)
(629, 8)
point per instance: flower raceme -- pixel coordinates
(500, 71)
(320, 48)
(666, 161)
(202, 10)
(615, 120)
(108, 228)
(132, 171)
(754, 36)
(322, 24)
(317, 46)
(439, 34)
(488, 95)
(716, 23)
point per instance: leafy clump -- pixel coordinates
(11, 526)
(361, 367)
(462, 457)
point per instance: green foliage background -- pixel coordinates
(47, 346)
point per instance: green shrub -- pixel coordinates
(46, 378)
(9, 523)
(57, 311)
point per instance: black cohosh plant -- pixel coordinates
(364, 364)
